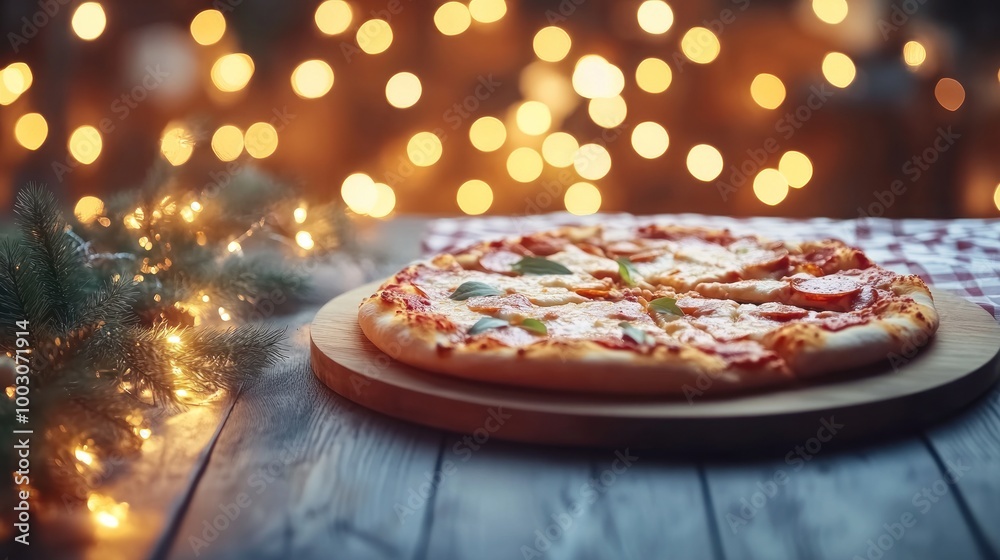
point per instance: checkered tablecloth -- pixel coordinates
(962, 256)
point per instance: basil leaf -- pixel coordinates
(665, 305)
(627, 271)
(539, 265)
(487, 323)
(474, 289)
(637, 335)
(534, 325)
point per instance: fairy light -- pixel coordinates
(403, 90)
(838, 69)
(174, 339)
(474, 197)
(607, 112)
(227, 144)
(650, 139)
(261, 140)
(83, 455)
(592, 161)
(704, 162)
(31, 130)
(770, 186)
(796, 168)
(88, 209)
(223, 314)
(385, 201)
(234, 247)
(533, 118)
(767, 91)
(333, 17)
(232, 72)
(183, 393)
(359, 193)
(949, 93)
(17, 78)
(487, 11)
(914, 54)
(452, 18)
(374, 36)
(208, 27)
(551, 44)
(830, 11)
(655, 17)
(653, 75)
(700, 45)
(89, 21)
(595, 77)
(524, 165)
(299, 214)
(424, 149)
(304, 239)
(107, 511)
(145, 433)
(558, 149)
(10, 392)
(312, 79)
(176, 144)
(196, 206)
(582, 199)
(85, 144)
(487, 134)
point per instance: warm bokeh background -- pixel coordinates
(712, 106)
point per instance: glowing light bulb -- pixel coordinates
(232, 72)
(592, 161)
(474, 197)
(914, 54)
(770, 186)
(559, 148)
(653, 75)
(261, 140)
(830, 11)
(374, 36)
(949, 93)
(227, 143)
(551, 44)
(403, 90)
(582, 199)
(208, 27)
(607, 112)
(655, 17)
(767, 91)
(533, 118)
(176, 144)
(650, 139)
(704, 162)
(700, 45)
(312, 79)
(305, 240)
(452, 18)
(838, 69)
(85, 144)
(524, 165)
(31, 130)
(424, 149)
(88, 209)
(333, 17)
(83, 455)
(595, 77)
(358, 192)
(299, 214)
(796, 168)
(487, 11)
(89, 21)
(487, 134)
(385, 201)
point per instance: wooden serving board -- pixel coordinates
(957, 366)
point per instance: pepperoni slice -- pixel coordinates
(826, 287)
(499, 261)
(779, 311)
(543, 246)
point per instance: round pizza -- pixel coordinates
(655, 309)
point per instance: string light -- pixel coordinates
(227, 143)
(595, 77)
(358, 192)
(592, 161)
(559, 148)
(174, 339)
(31, 130)
(305, 240)
(452, 18)
(830, 11)
(653, 75)
(261, 140)
(374, 36)
(487, 11)
(949, 93)
(770, 186)
(403, 90)
(767, 91)
(551, 44)
(85, 144)
(424, 149)
(582, 199)
(89, 21)
(838, 69)
(533, 118)
(650, 140)
(796, 168)
(176, 144)
(704, 162)
(88, 209)
(333, 17)
(524, 165)
(312, 79)
(299, 214)
(474, 197)
(700, 45)
(208, 27)
(234, 247)
(487, 134)
(385, 201)
(223, 314)
(655, 17)
(914, 54)
(232, 72)
(607, 112)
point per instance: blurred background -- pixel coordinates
(737, 107)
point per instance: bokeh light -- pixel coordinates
(333, 17)
(312, 79)
(559, 148)
(767, 91)
(582, 199)
(88, 209)
(487, 134)
(474, 197)
(31, 130)
(949, 93)
(452, 18)
(227, 142)
(592, 161)
(524, 165)
(839, 69)
(385, 201)
(232, 72)
(650, 140)
(700, 45)
(655, 16)
(208, 27)
(403, 90)
(533, 118)
(607, 112)
(595, 77)
(796, 168)
(487, 11)
(176, 144)
(830, 11)
(653, 75)
(16, 78)
(89, 21)
(305, 240)
(85, 144)
(770, 186)
(551, 44)
(424, 149)
(996, 197)
(359, 193)
(914, 53)
(374, 36)
(704, 162)
(261, 140)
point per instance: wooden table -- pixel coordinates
(306, 474)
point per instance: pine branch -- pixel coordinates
(112, 303)
(20, 298)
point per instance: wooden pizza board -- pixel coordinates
(950, 371)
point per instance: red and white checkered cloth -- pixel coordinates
(962, 256)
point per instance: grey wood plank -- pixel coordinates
(506, 500)
(855, 503)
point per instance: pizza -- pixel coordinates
(649, 310)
